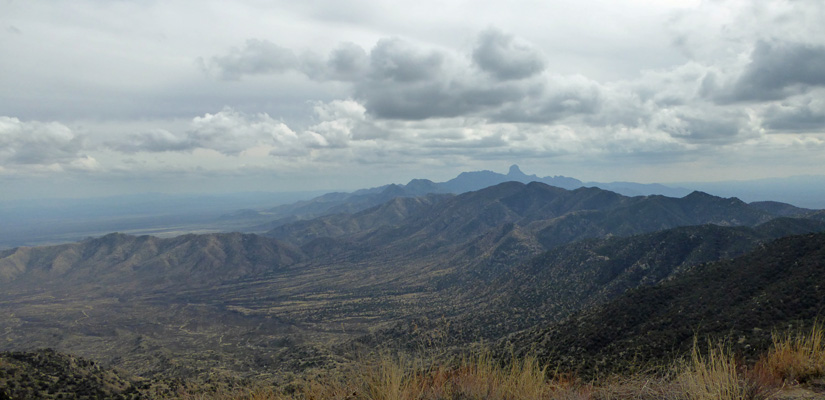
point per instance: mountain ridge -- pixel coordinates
(149, 259)
(340, 202)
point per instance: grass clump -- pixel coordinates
(390, 379)
(716, 376)
(796, 356)
(481, 377)
(475, 377)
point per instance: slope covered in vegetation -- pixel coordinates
(780, 285)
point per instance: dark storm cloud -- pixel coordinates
(501, 56)
(778, 70)
(255, 57)
(795, 118)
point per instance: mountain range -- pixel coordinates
(338, 202)
(54, 221)
(509, 259)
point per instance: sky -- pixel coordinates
(103, 97)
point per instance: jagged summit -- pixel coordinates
(515, 171)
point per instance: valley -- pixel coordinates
(525, 268)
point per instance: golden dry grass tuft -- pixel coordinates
(475, 377)
(482, 377)
(716, 376)
(796, 356)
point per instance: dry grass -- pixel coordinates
(636, 388)
(477, 377)
(261, 393)
(481, 377)
(796, 357)
(390, 379)
(715, 375)
(401, 378)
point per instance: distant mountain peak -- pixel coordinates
(515, 171)
(699, 195)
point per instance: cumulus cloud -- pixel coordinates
(396, 60)
(732, 75)
(801, 115)
(693, 126)
(435, 99)
(33, 143)
(231, 132)
(677, 86)
(228, 132)
(501, 81)
(338, 121)
(409, 83)
(778, 70)
(442, 101)
(562, 97)
(505, 58)
(347, 62)
(400, 80)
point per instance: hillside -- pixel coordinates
(551, 286)
(45, 374)
(390, 213)
(134, 263)
(776, 286)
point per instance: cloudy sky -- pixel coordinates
(120, 96)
